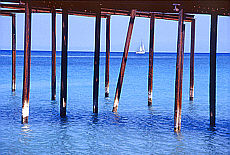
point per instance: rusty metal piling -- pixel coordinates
(212, 85)
(96, 62)
(63, 93)
(124, 59)
(27, 61)
(179, 72)
(191, 90)
(107, 56)
(13, 53)
(53, 76)
(151, 50)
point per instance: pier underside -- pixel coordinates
(181, 11)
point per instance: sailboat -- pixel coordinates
(141, 50)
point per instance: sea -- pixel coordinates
(135, 128)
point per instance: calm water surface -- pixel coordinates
(135, 129)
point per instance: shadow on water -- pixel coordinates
(94, 118)
(54, 102)
(64, 121)
(209, 139)
(153, 120)
(105, 119)
(54, 109)
(212, 129)
(151, 110)
(64, 139)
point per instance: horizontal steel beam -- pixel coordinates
(5, 14)
(220, 7)
(20, 8)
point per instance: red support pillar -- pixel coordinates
(27, 61)
(191, 91)
(124, 59)
(96, 62)
(212, 85)
(53, 81)
(63, 93)
(179, 73)
(107, 56)
(13, 53)
(151, 50)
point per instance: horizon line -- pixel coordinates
(92, 51)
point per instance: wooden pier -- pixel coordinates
(181, 11)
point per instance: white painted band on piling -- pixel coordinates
(64, 103)
(177, 119)
(150, 95)
(191, 92)
(25, 110)
(13, 85)
(107, 90)
(115, 103)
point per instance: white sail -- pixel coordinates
(141, 49)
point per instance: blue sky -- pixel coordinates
(81, 33)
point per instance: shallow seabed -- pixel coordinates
(135, 129)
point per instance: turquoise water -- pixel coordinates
(135, 129)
